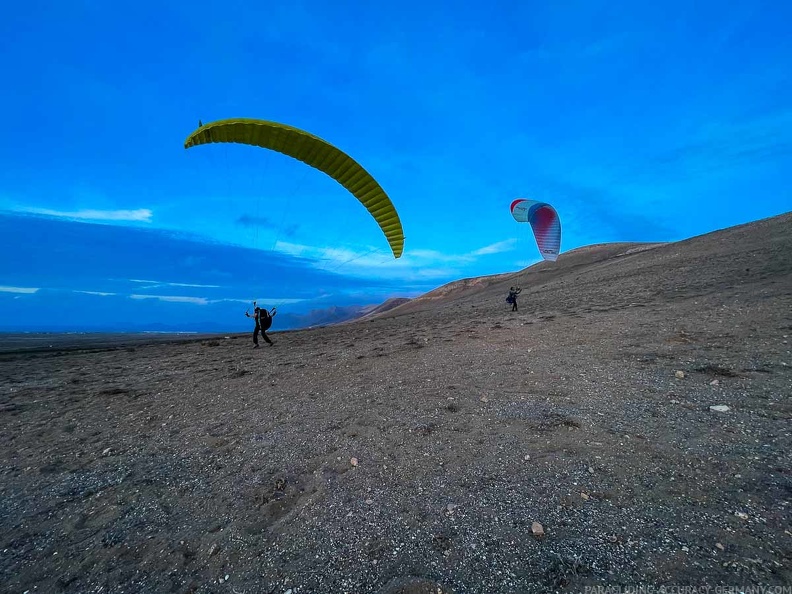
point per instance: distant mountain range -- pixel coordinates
(337, 315)
(283, 321)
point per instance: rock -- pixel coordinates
(450, 508)
(679, 374)
(584, 497)
(741, 515)
(719, 546)
(720, 408)
(527, 457)
(353, 461)
(537, 529)
(714, 383)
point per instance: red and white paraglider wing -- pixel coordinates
(544, 222)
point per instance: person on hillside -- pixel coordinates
(512, 298)
(263, 320)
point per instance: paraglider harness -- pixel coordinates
(265, 319)
(262, 316)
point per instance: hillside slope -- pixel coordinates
(637, 408)
(631, 274)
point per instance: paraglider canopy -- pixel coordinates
(544, 222)
(315, 152)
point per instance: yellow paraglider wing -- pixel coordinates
(315, 152)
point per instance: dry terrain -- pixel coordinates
(445, 445)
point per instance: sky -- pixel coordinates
(637, 122)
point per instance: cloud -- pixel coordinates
(331, 258)
(264, 223)
(99, 293)
(496, 248)
(417, 269)
(207, 301)
(140, 215)
(379, 261)
(25, 290)
(203, 269)
(252, 221)
(278, 300)
(435, 257)
(174, 299)
(151, 284)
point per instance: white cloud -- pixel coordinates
(331, 257)
(174, 299)
(138, 215)
(100, 293)
(380, 257)
(496, 248)
(260, 300)
(293, 249)
(414, 264)
(152, 284)
(25, 290)
(435, 257)
(205, 301)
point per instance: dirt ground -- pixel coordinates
(420, 451)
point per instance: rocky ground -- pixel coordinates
(449, 445)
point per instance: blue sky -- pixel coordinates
(636, 122)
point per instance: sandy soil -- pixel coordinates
(414, 452)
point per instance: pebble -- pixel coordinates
(720, 408)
